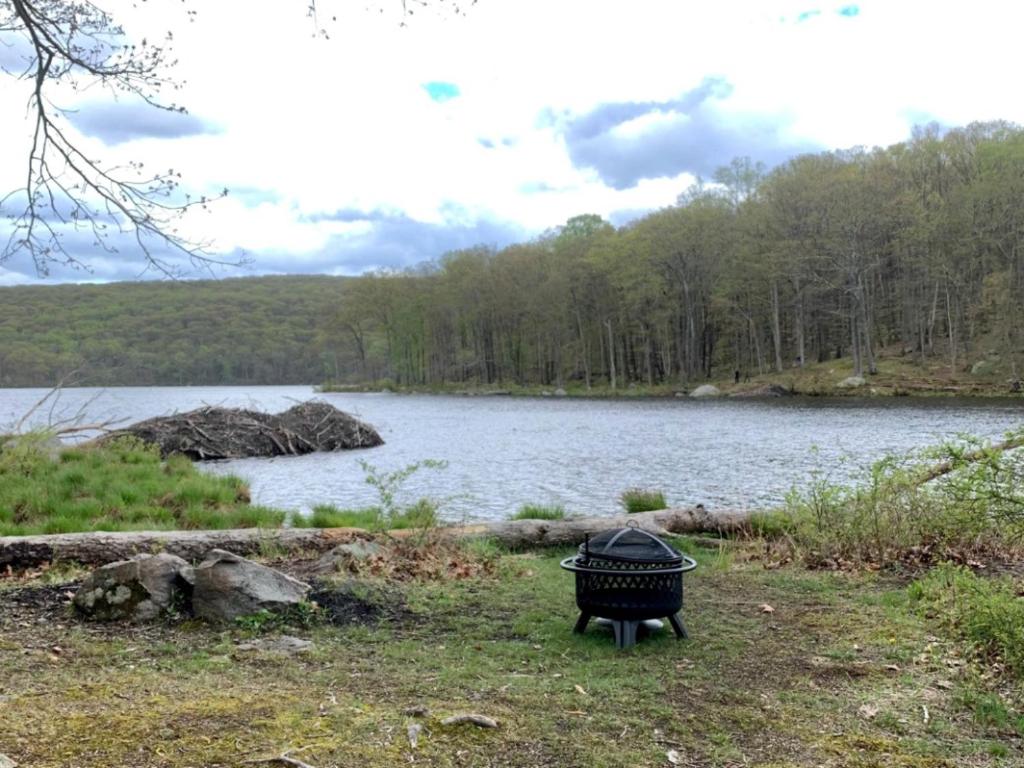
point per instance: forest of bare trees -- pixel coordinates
(916, 250)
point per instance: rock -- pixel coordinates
(228, 586)
(140, 589)
(344, 556)
(285, 644)
(768, 390)
(560, 392)
(851, 382)
(983, 368)
(706, 390)
(6, 762)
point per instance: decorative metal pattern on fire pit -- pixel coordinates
(627, 576)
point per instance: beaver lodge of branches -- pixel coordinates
(235, 433)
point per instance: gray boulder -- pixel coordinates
(851, 382)
(983, 368)
(228, 586)
(706, 390)
(346, 557)
(140, 589)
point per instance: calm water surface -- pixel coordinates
(503, 452)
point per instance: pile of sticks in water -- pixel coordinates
(234, 433)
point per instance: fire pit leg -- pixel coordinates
(625, 633)
(581, 623)
(677, 624)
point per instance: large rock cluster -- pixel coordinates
(221, 588)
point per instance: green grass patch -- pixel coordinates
(539, 512)
(422, 514)
(748, 688)
(122, 486)
(986, 613)
(642, 500)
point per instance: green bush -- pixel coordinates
(907, 510)
(642, 500)
(986, 613)
(539, 512)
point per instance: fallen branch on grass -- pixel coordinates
(481, 721)
(971, 457)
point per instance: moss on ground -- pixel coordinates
(840, 672)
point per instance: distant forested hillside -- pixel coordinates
(235, 331)
(915, 251)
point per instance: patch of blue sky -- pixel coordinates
(440, 91)
(849, 11)
(807, 15)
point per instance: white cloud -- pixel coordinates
(308, 126)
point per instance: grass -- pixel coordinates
(422, 514)
(986, 613)
(121, 487)
(642, 500)
(836, 675)
(539, 512)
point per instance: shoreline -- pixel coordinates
(896, 377)
(727, 392)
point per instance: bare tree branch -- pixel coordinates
(79, 45)
(76, 44)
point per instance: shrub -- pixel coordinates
(942, 503)
(539, 512)
(642, 500)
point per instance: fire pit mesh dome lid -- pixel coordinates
(631, 544)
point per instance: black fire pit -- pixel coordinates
(629, 576)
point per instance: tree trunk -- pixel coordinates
(98, 548)
(776, 327)
(801, 352)
(611, 351)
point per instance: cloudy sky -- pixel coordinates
(387, 145)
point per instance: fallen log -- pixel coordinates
(98, 548)
(971, 457)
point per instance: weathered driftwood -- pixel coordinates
(99, 548)
(235, 433)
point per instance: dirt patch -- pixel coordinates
(354, 602)
(36, 603)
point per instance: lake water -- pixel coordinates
(503, 452)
